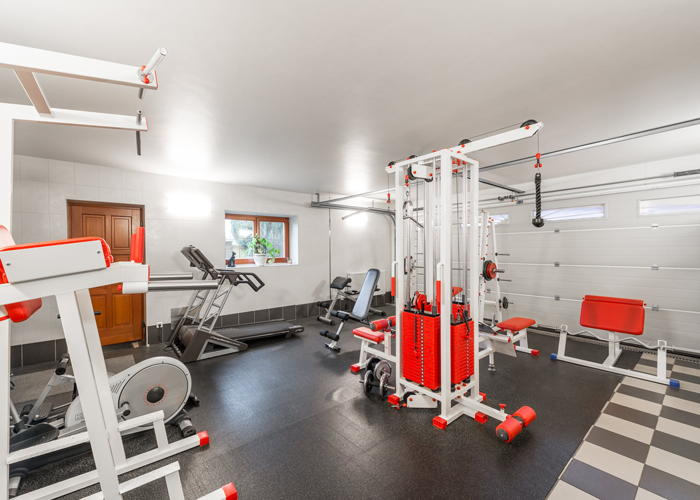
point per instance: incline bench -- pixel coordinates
(616, 316)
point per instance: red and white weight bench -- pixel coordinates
(505, 335)
(67, 269)
(616, 316)
(378, 333)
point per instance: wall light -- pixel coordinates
(188, 204)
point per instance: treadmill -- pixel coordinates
(196, 335)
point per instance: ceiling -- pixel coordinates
(319, 96)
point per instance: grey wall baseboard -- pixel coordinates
(52, 350)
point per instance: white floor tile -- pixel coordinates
(564, 491)
(654, 357)
(643, 494)
(675, 465)
(608, 461)
(689, 386)
(682, 404)
(683, 431)
(625, 427)
(687, 370)
(645, 384)
(636, 403)
(651, 370)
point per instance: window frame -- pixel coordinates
(604, 217)
(503, 222)
(257, 219)
(665, 214)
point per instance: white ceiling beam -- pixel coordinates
(33, 60)
(25, 113)
(34, 92)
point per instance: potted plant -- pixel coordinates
(262, 250)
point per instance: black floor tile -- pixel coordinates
(288, 419)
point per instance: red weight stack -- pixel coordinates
(462, 352)
(420, 344)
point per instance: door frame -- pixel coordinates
(142, 210)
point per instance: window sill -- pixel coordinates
(276, 264)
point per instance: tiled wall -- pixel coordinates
(42, 188)
(288, 313)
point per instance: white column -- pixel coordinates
(474, 263)
(445, 297)
(399, 298)
(76, 339)
(6, 152)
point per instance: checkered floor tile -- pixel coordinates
(646, 443)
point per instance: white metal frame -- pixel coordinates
(71, 290)
(614, 351)
(489, 251)
(466, 397)
(367, 350)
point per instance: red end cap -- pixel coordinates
(535, 352)
(203, 438)
(393, 399)
(230, 491)
(119, 286)
(440, 423)
(482, 418)
(483, 395)
(355, 368)
(537, 156)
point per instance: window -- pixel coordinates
(670, 206)
(240, 230)
(500, 218)
(573, 213)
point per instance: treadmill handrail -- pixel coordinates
(242, 278)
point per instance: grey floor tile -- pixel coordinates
(667, 485)
(598, 483)
(678, 446)
(681, 416)
(641, 393)
(636, 416)
(622, 445)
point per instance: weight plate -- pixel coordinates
(367, 386)
(381, 368)
(372, 363)
(383, 383)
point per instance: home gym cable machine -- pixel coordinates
(437, 358)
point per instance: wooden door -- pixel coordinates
(122, 315)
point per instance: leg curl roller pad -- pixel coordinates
(512, 426)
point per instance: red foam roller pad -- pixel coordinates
(508, 429)
(527, 414)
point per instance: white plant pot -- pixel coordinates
(260, 259)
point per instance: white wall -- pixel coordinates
(672, 247)
(42, 186)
